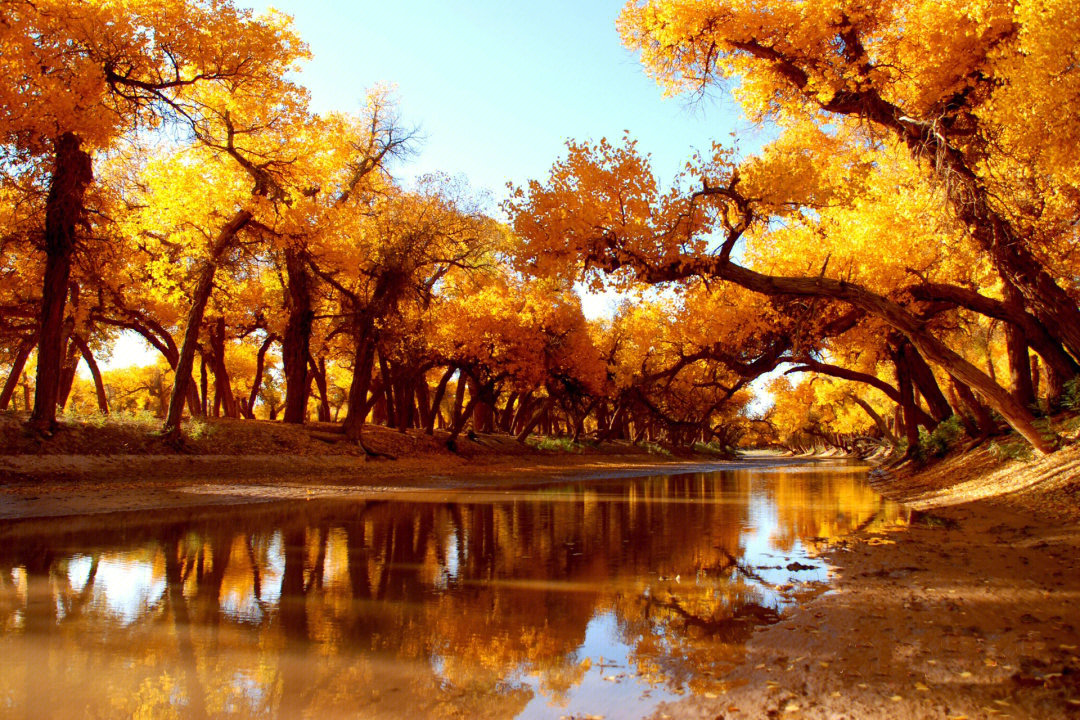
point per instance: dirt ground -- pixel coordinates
(973, 611)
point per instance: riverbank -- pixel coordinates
(119, 466)
(969, 612)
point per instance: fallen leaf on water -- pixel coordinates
(1067, 647)
(611, 678)
(931, 662)
(836, 693)
(965, 674)
(711, 695)
(863, 685)
(791, 707)
(896, 698)
(921, 688)
(957, 717)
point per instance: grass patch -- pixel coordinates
(713, 448)
(654, 449)
(1011, 450)
(559, 444)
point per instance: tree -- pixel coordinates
(77, 77)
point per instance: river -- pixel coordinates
(562, 600)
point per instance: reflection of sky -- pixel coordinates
(125, 586)
(626, 696)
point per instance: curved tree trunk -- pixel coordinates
(21, 355)
(437, 398)
(99, 386)
(199, 298)
(1018, 416)
(256, 381)
(72, 174)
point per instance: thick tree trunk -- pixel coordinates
(67, 371)
(21, 355)
(72, 174)
(296, 344)
(199, 298)
(507, 415)
(459, 398)
(223, 393)
(926, 383)
(983, 418)
(99, 386)
(363, 362)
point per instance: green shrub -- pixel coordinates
(944, 437)
(1070, 397)
(1010, 450)
(562, 444)
(654, 449)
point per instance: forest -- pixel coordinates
(895, 269)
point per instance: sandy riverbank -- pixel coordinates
(971, 612)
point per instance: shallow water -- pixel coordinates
(594, 598)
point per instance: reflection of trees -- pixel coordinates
(332, 609)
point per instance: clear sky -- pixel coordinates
(496, 86)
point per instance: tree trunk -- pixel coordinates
(99, 386)
(21, 355)
(423, 400)
(72, 174)
(256, 382)
(1018, 416)
(437, 398)
(222, 385)
(983, 418)
(907, 399)
(204, 387)
(879, 422)
(535, 420)
(926, 383)
(363, 361)
(960, 411)
(459, 398)
(68, 371)
(296, 344)
(318, 371)
(199, 298)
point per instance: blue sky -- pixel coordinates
(497, 87)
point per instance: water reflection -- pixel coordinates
(601, 598)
